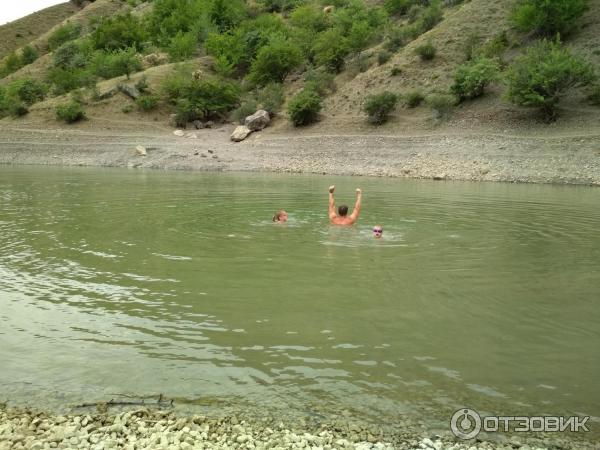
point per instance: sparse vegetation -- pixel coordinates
(383, 57)
(65, 33)
(304, 107)
(594, 95)
(378, 107)
(413, 99)
(395, 71)
(426, 51)
(147, 102)
(70, 112)
(441, 105)
(544, 74)
(471, 79)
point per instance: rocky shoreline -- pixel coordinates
(557, 159)
(159, 429)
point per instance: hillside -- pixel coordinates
(18, 33)
(229, 59)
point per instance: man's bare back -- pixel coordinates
(341, 217)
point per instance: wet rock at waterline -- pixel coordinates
(257, 121)
(240, 133)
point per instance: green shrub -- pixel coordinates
(414, 12)
(12, 63)
(413, 99)
(226, 14)
(119, 32)
(396, 38)
(379, 106)
(271, 97)
(169, 17)
(17, 108)
(470, 79)
(274, 62)
(548, 17)
(28, 55)
(72, 54)
(395, 71)
(200, 99)
(63, 34)
(383, 56)
(228, 50)
(426, 51)
(430, 17)
(330, 50)
(70, 112)
(66, 80)
(304, 107)
(247, 108)
(127, 108)
(116, 63)
(182, 46)
(27, 90)
(279, 5)
(147, 102)
(472, 43)
(398, 6)
(441, 104)
(541, 76)
(495, 47)
(310, 17)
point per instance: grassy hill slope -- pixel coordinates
(20, 32)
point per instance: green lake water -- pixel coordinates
(129, 282)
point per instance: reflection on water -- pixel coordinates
(132, 282)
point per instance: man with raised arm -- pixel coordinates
(342, 217)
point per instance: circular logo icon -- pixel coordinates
(465, 423)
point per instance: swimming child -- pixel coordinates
(280, 216)
(377, 232)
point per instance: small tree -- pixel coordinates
(63, 34)
(541, 76)
(548, 17)
(379, 106)
(275, 61)
(182, 46)
(304, 107)
(70, 112)
(471, 79)
(330, 49)
(413, 99)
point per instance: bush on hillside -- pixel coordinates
(310, 17)
(28, 55)
(441, 104)
(63, 34)
(471, 79)
(398, 7)
(426, 51)
(548, 17)
(304, 107)
(119, 32)
(429, 17)
(330, 50)
(274, 62)
(116, 63)
(378, 107)
(147, 102)
(12, 63)
(201, 99)
(182, 46)
(66, 80)
(413, 99)
(70, 112)
(543, 75)
(594, 95)
(27, 90)
(279, 5)
(72, 54)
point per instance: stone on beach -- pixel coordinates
(240, 133)
(257, 121)
(140, 150)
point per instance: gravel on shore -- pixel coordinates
(558, 159)
(156, 429)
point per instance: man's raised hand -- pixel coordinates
(331, 189)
